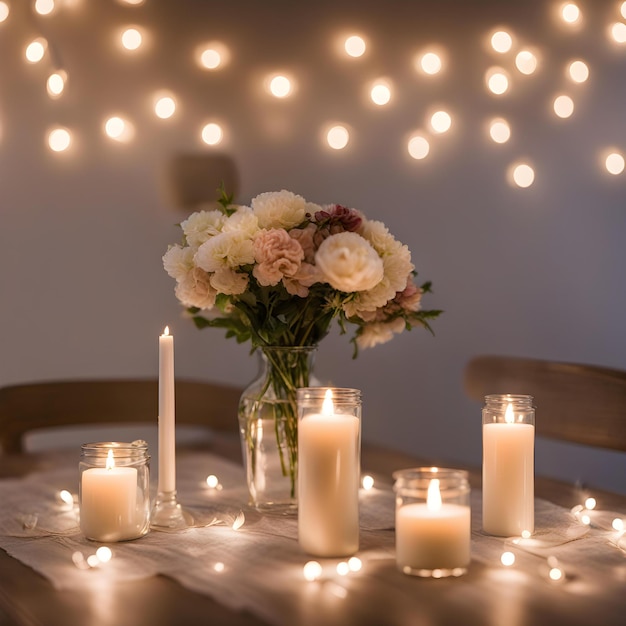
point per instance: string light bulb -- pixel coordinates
(355, 46)
(418, 147)
(59, 139)
(563, 106)
(578, 71)
(338, 137)
(55, 85)
(614, 163)
(618, 32)
(36, 50)
(380, 92)
(131, 39)
(497, 81)
(441, 121)
(280, 86)
(570, 13)
(44, 7)
(499, 130)
(501, 41)
(526, 62)
(212, 134)
(311, 571)
(429, 62)
(164, 106)
(4, 11)
(212, 55)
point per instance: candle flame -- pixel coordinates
(166, 331)
(110, 460)
(509, 416)
(433, 499)
(328, 408)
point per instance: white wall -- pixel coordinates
(536, 272)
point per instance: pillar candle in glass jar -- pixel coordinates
(114, 496)
(508, 465)
(433, 522)
(329, 435)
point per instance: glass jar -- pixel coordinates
(329, 459)
(114, 490)
(508, 465)
(433, 521)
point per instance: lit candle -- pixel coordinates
(432, 536)
(508, 468)
(328, 478)
(167, 436)
(108, 508)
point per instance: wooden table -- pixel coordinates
(26, 598)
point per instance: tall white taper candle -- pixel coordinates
(167, 435)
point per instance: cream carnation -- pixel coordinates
(202, 225)
(277, 255)
(279, 209)
(374, 334)
(178, 261)
(243, 221)
(224, 250)
(349, 263)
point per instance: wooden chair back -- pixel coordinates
(582, 404)
(29, 407)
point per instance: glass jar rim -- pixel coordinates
(101, 448)
(508, 398)
(339, 394)
(418, 478)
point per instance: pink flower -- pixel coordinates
(277, 255)
(306, 239)
(411, 298)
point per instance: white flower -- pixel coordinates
(202, 225)
(397, 269)
(229, 282)
(224, 250)
(195, 290)
(178, 261)
(279, 209)
(243, 221)
(379, 236)
(374, 334)
(349, 263)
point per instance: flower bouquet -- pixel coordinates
(276, 273)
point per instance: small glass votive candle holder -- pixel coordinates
(329, 468)
(114, 490)
(433, 521)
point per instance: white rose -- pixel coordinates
(202, 225)
(178, 261)
(349, 263)
(279, 209)
(224, 250)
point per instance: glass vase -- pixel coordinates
(268, 425)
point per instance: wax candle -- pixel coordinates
(328, 472)
(108, 502)
(508, 465)
(432, 536)
(167, 436)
